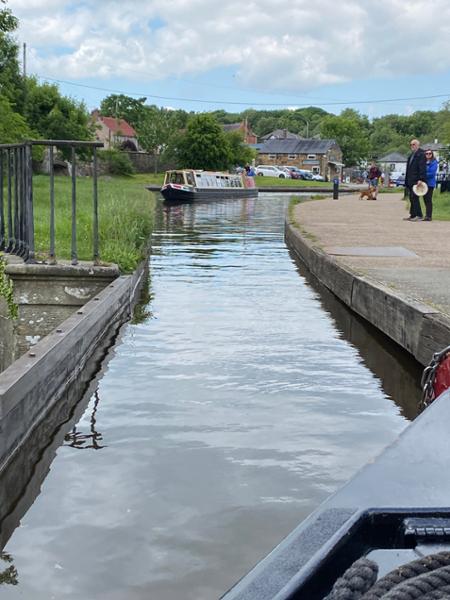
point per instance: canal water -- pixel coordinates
(239, 398)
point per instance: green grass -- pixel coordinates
(125, 218)
(441, 206)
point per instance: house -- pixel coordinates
(114, 132)
(280, 134)
(322, 157)
(249, 136)
(394, 162)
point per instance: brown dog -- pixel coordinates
(370, 194)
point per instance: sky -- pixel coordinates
(378, 57)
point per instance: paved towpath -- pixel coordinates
(372, 238)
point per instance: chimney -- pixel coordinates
(284, 133)
(436, 141)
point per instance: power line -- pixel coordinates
(178, 99)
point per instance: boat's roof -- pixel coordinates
(201, 172)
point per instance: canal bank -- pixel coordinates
(39, 379)
(392, 272)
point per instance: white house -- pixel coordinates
(394, 162)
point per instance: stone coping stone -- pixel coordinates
(63, 269)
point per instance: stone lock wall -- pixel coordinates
(8, 340)
(49, 294)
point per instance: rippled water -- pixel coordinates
(223, 418)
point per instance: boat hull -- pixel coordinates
(171, 194)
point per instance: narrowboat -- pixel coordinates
(386, 533)
(189, 184)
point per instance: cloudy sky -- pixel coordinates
(208, 54)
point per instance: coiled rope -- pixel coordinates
(427, 578)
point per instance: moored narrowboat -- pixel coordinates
(188, 185)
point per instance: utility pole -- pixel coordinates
(24, 62)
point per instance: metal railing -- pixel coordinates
(16, 198)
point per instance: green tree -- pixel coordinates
(54, 116)
(351, 136)
(384, 139)
(443, 123)
(154, 130)
(11, 82)
(240, 153)
(124, 107)
(204, 145)
(13, 127)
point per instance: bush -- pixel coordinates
(117, 163)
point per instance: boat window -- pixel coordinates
(189, 178)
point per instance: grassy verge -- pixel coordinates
(125, 218)
(441, 206)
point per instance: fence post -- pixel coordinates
(336, 188)
(74, 209)
(29, 202)
(95, 222)
(2, 215)
(52, 254)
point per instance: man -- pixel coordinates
(373, 178)
(416, 172)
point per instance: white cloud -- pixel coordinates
(290, 45)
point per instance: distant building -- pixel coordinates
(280, 134)
(114, 132)
(395, 162)
(323, 157)
(243, 126)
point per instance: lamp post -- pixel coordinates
(307, 124)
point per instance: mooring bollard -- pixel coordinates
(335, 188)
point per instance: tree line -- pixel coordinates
(33, 110)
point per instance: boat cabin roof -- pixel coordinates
(203, 179)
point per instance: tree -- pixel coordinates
(124, 107)
(349, 134)
(11, 82)
(54, 116)
(204, 145)
(240, 153)
(154, 130)
(13, 127)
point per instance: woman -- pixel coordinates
(432, 167)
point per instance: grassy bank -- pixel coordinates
(441, 206)
(125, 218)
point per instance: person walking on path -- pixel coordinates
(416, 173)
(373, 178)
(432, 167)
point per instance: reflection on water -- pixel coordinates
(231, 407)
(398, 371)
(83, 441)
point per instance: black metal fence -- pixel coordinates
(16, 198)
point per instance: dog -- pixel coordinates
(369, 194)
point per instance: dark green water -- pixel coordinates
(242, 397)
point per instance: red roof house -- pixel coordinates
(115, 132)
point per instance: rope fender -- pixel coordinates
(427, 578)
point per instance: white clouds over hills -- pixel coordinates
(288, 45)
